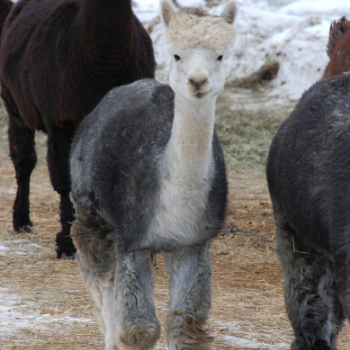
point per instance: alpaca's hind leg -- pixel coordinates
(22, 153)
(310, 298)
(101, 287)
(59, 141)
(190, 290)
(96, 260)
(138, 326)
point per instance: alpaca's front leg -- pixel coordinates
(137, 323)
(190, 290)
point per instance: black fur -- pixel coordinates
(308, 173)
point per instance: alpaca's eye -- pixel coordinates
(220, 58)
(177, 57)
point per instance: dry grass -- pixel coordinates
(246, 134)
(42, 300)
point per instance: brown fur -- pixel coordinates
(140, 338)
(338, 48)
(58, 59)
(93, 239)
(196, 335)
(5, 7)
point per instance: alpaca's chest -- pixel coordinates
(180, 216)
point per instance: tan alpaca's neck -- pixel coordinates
(187, 172)
(190, 146)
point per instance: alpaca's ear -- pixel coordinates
(229, 12)
(167, 11)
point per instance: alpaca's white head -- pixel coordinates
(198, 45)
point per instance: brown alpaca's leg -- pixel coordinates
(190, 290)
(23, 156)
(59, 141)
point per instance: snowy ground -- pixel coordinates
(293, 33)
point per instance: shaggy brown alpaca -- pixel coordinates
(58, 59)
(338, 48)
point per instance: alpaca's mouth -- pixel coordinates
(200, 94)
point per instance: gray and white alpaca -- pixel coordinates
(308, 173)
(148, 176)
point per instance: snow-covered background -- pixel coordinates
(293, 33)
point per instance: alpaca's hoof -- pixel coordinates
(66, 256)
(140, 337)
(186, 332)
(25, 229)
(65, 247)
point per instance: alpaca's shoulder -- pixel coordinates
(144, 91)
(325, 102)
(146, 96)
(327, 91)
(323, 108)
(145, 104)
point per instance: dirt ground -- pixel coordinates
(43, 304)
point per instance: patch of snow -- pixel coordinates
(11, 319)
(79, 320)
(292, 33)
(147, 10)
(19, 247)
(19, 241)
(317, 7)
(232, 326)
(251, 344)
(35, 245)
(238, 339)
(21, 253)
(10, 191)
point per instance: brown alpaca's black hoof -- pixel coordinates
(23, 225)
(66, 254)
(65, 247)
(68, 257)
(25, 229)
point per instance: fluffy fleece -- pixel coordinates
(188, 30)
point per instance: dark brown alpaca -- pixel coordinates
(58, 59)
(338, 48)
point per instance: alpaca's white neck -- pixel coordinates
(187, 173)
(189, 150)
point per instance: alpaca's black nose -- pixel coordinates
(197, 83)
